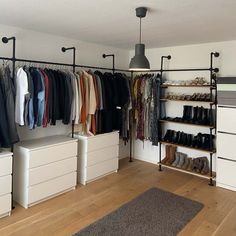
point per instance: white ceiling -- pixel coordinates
(113, 22)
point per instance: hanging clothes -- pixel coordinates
(146, 94)
(8, 131)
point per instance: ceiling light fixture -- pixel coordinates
(140, 62)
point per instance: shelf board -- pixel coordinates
(188, 86)
(184, 123)
(180, 145)
(189, 172)
(178, 100)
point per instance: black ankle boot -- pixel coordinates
(207, 141)
(181, 138)
(195, 114)
(189, 140)
(176, 138)
(205, 117)
(185, 139)
(189, 114)
(199, 115)
(167, 135)
(184, 117)
(210, 117)
(199, 140)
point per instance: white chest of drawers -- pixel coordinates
(44, 168)
(226, 144)
(5, 183)
(97, 156)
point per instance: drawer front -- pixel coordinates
(225, 119)
(5, 204)
(226, 172)
(52, 154)
(101, 169)
(102, 155)
(5, 165)
(226, 144)
(44, 173)
(99, 142)
(44, 190)
(5, 184)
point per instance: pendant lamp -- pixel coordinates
(140, 62)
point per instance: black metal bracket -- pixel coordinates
(113, 60)
(63, 49)
(6, 40)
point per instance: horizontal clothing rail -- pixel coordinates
(59, 64)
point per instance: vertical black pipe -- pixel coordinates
(160, 110)
(73, 67)
(131, 122)
(6, 40)
(212, 88)
(73, 121)
(160, 106)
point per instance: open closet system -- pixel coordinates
(28, 169)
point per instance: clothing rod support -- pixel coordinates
(113, 60)
(63, 49)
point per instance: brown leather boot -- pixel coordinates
(172, 155)
(167, 154)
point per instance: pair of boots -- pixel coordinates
(182, 161)
(202, 141)
(170, 155)
(202, 116)
(201, 165)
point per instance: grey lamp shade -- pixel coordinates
(139, 62)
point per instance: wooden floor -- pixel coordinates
(68, 213)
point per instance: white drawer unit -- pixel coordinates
(5, 183)
(44, 168)
(97, 156)
(226, 143)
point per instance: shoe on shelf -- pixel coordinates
(172, 152)
(177, 137)
(190, 164)
(181, 160)
(177, 156)
(189, 140)
(186, 163)
(167, 135)
(205, 170)
(167, 154)
(196, 164)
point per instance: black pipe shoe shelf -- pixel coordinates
(192, 115)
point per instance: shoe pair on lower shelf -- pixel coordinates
(181, 160)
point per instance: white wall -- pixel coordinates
(190, 56)
(41, 46)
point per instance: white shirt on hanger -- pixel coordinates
(21, 91)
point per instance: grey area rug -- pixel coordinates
(155, 212)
